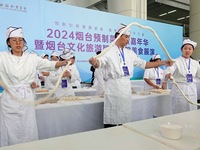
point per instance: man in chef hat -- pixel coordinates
(15, 32)
(119, 63)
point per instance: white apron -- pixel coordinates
(17, 119)
(63, 92)
(118, 103)
(178, 102)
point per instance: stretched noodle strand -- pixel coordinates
(141, 26)
(189, 101)
(41, 100)
(44, 99)
(162, 45)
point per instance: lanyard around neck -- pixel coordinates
(188, 65)
(157, 71)
(122, 55)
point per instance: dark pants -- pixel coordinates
(111, 125)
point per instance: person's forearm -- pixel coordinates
(151, 83)
(154, 64)
(148, 82)
(60, 64)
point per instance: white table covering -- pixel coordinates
(191, 129)
(149, 106)
(84, 115)
(73, 117)
(116, 138)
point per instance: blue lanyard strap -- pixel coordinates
(189, 66)
(122, 55)
(157, 72)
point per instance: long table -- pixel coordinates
(116, 138)
(141, 135)
(85, 115)
(72, 117)
(190, 121)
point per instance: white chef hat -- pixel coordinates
(120, 29)
(54, 54)
(43, 55)
(66, 51)
(188, 41)
(66, 56)
(14, 32)
(156, 56)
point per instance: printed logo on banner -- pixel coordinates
(13, 7)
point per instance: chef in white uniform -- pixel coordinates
(43, 74)
(76, 79)
(99, 79)
(48, 84)
(17, 72)
(65, 87)
(153, 76)
(184, 71)
(119, 63)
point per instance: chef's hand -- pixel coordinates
(94, 62)
(167, 62)
(168, 76)
(34, 85)
(41, 78)
(67, 74)
(44, 73)
(156, 87)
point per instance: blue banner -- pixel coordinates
(50, 26)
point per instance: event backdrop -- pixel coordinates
(50, 26)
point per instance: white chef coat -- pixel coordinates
(99, 81)
(17, 119)
(60, 92)
(75, 79)
(152, 74)
(118, 104)
(179, 70)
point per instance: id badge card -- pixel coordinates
(64, 83)
(125, 69)
(158, 81)
(189, 78)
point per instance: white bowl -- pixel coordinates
(171, 131)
